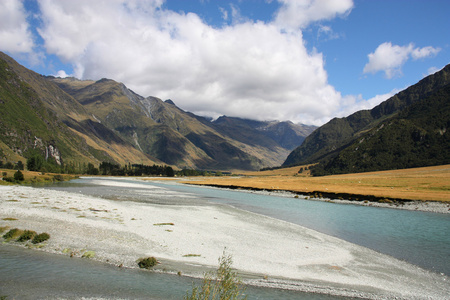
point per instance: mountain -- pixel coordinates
(38, 118)
(163, 130)
(390, 136)
(70, 121)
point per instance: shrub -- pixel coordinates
(12, 234)
(224, 285)
(147, 263)
(26, 235)
(58, 177)
(40, 238)
(18, 176)
(88, 254)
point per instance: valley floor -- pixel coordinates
(395, 187)
(190, 238)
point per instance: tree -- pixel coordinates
(35, 162)
(91, 170)
(225, 285)
(19, 165)
(18, 176)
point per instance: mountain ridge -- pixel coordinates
(106, 121)
(333, 139)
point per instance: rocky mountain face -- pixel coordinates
(69, 120)
(176, 137)
(408, 130)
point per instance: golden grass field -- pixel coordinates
(426, 184)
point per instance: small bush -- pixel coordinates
(18, 176)
(147, 263)
(26, 235)
(8, 179)
(58, 177)
(12, 234)
(88, 254)
(40, 238)
(225, 284)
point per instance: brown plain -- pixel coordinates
(426, 184)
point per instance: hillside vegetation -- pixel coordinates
(408, 130)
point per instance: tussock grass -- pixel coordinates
(27, 235)
(13, 234)
(88, 254)
(163, 224)
(425, 184)
(40, 238)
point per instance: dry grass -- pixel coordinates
(429, 183)
(36, 177)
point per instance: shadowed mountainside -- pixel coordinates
(409, 129)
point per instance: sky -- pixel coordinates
(306, 61)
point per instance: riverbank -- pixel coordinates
(426, 189)
(189, 239)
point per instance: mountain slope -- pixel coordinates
(327, 141)
(40, 118)
(163, 130)
(417, 137)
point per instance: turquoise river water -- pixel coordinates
(417, 237)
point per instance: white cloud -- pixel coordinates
(424, 52)
(62, 74)
(15, 36)
(249, 69)
(390, 58)
(295, 14)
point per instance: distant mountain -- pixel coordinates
(408, 130)
(69, 121)
(162, 130)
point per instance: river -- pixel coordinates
(417, 237)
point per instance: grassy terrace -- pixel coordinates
(426, 184)
(35, 177)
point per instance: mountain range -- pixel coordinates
(70, 121)
(410, 129)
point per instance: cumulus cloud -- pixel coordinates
(15, 35)
(248, 69)
(295, 14)
(390, 58)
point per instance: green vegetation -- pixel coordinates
(26, 235)
(408, 130)
(162, 224)
(223, 285)
(416, 137)
(40, 238)
(18, 176)
(88, 254)
(12, 234)
(147, 263)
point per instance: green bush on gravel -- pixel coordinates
(40, 238)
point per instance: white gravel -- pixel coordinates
(274, 252)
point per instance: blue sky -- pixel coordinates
(301, 60)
